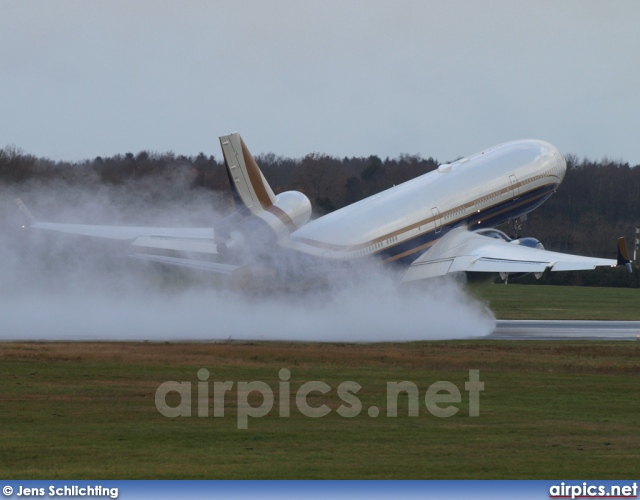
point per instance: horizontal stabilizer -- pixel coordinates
(214, 267)
(199, 245)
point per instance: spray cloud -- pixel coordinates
(61, 287)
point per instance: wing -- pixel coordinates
(167, 238)
(463, 250)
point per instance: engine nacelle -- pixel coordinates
(525, 242)
(529, 242)
(295, 205)
(291, 210)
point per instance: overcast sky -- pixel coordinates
(82, 78)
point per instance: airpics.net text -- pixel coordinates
(440, 398)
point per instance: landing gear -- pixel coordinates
(516, 225)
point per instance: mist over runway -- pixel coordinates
(57, 289)
(363, 316)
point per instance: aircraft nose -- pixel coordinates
(561, 164)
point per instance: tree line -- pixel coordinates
(597, 202)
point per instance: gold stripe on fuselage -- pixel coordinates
(465, 206)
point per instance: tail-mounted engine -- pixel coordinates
(262, 217)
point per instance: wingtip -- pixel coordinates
(623, 255)
(25, 211)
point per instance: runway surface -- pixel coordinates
(566, 330)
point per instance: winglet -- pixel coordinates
(623, 256)
(25, 211)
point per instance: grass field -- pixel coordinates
(561, 302)
(549, 410)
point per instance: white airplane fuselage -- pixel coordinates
(478, 191)
(435, 224)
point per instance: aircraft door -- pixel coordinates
(436, 219)
(514, 187)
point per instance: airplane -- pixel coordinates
(436, 224)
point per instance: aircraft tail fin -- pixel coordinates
(623, 255)
(249, 187)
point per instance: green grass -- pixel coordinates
(549, 410)
(560, 302)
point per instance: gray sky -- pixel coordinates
(441, 78)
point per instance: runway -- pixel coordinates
(566, 330)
